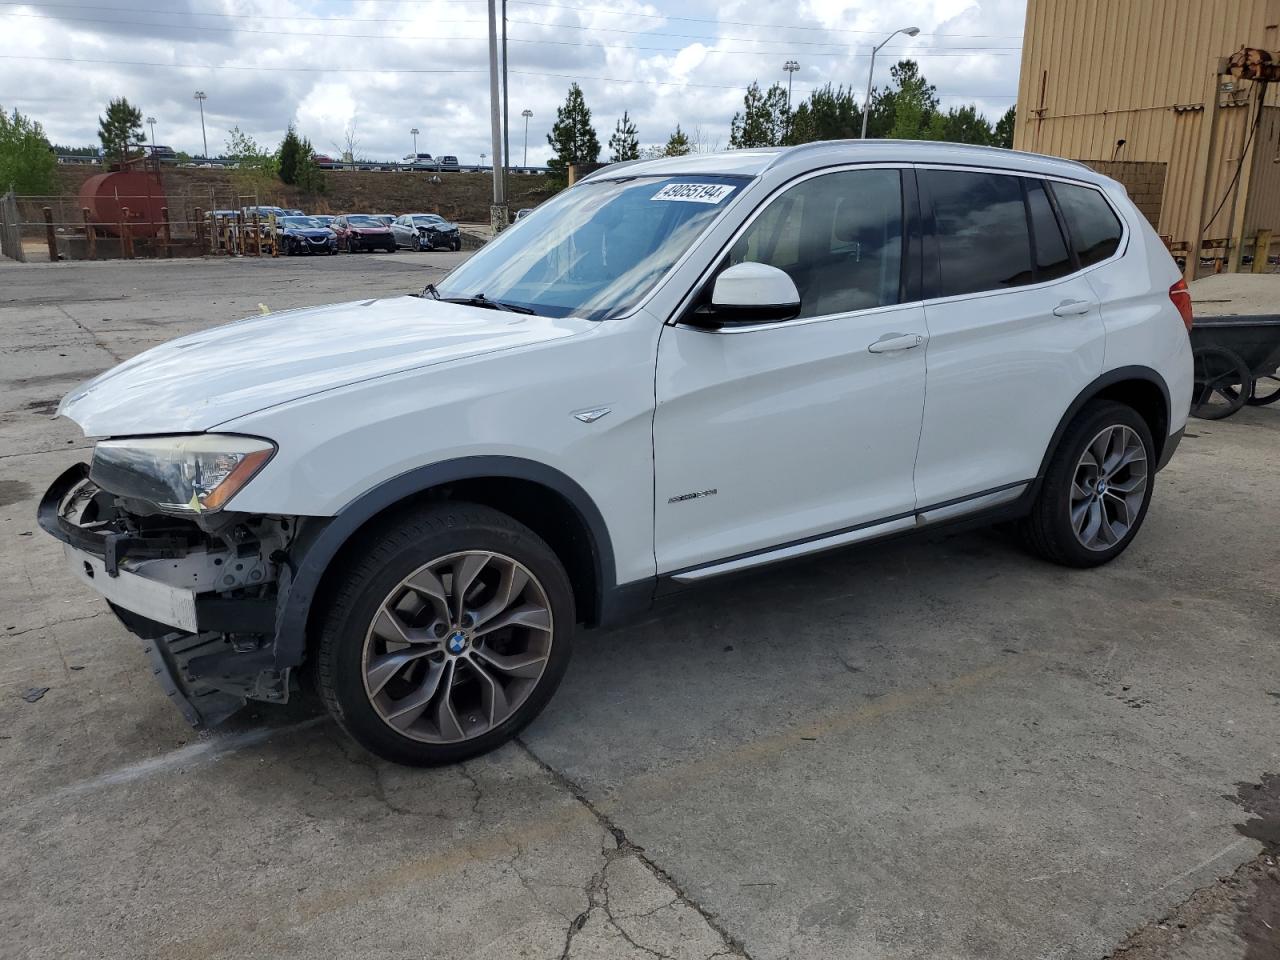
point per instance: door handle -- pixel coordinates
(1072, 308)
(892, 342)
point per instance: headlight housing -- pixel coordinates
(185, 474)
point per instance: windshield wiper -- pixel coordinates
(480, 300)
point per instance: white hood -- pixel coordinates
(195, 383)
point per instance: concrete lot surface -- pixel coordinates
(937, 748)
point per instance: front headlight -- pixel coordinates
(189, 474)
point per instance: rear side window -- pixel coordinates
(981, 227)
(1052, 258)
(1095, 230)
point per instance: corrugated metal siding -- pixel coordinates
(1115, 69)
(1264, 192)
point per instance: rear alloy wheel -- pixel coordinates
(448, 636)
(1096, 489)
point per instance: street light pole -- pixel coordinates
(200, 99)
(526, 113)
(151, 122)
(415, 133)
(866, 103)
(791, 67)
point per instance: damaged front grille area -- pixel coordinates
(201, 591)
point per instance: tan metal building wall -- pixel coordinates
(1098, 71)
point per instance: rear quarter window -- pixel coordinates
(1095, 229)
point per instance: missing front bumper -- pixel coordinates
(204, 606)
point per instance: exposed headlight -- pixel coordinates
(190, 474)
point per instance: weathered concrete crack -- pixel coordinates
(627, 848)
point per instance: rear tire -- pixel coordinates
(419, 675)
(1096, 489)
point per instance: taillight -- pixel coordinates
(1181, 298)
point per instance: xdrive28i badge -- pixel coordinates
(696, 495)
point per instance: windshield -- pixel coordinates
(427, 218)
(597, 248)
(303, 223)
(365, 222)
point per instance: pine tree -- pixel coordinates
(961, 125)
(1003, 135)
(677, 144)
(121, 126)
(307, 174)
(625, 142)
(290, 155)
(829, 113)
(572, 137)
(764, 118)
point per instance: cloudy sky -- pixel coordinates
(391, 65)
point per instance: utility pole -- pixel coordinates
(526, 113)
(506, 107)
(200, 99)
(415, 131)
(498, 211)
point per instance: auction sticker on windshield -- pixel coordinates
(694, 192)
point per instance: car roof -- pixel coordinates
(754, 162)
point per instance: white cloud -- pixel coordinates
(264, 63)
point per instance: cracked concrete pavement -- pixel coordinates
(934, 748)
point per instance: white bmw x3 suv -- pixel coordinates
(675, 370)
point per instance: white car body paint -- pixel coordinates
(799, 428)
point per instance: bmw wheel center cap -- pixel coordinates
(457, 642)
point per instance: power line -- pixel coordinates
(423, 70)
(916, 52)
(745, 23)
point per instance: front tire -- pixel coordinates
(1096, 489)
(451, 630)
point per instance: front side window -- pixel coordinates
(838, 236)
(980, 224)
(596, 249)
(1095, 231)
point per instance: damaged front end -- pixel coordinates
(201, 587)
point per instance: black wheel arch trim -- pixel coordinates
(321, 539)
(1108, 379)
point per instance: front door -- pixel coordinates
(775, 433)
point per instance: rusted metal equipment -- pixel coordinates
(1252, 63)
(141, 192)
(1237, 362)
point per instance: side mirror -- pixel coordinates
(752, 293)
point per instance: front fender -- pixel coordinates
(321, 539)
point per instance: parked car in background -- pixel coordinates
(362, 231)
(325, 219)
(294, 213)
(426, 231)
(420, 161)
(323, 161)
(387, 218)
(449, 163)
(305, 235)
(163, 154)
(523, 212)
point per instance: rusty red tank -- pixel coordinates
(107, 195)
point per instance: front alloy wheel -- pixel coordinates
(449, 632)
(457, 646)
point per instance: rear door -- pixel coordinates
(1015, 332)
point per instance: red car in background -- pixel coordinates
(363, 231)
